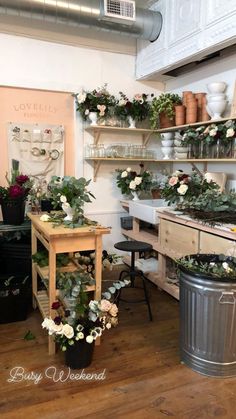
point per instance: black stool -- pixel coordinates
(134, 246)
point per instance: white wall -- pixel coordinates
(32, 63)
(223, 70)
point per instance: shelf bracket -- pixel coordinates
(199, 171)
(97, 134)
(146, 138)
(96, 166)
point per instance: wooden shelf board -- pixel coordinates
(196, 124)
(104, 128)
(172, 289)
(43, 302)
(161, 160)
(142, 235)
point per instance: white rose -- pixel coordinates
(213, 132)
(132, 185)
(86, 112)
(47, 323)
(182, 189)
(89, 339)
(230, 132)
(58, 329)
(124, 174)
(63, 198)
(122, 102)
(138, 180)
(81, 97)
(80, 335)
(68, 331)
(108, 326)
(45, 217)
(128, 169)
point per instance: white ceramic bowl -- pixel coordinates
(215, 97)
(177, 143)
(167, 143)
(216, 87)
(181, 149)
(178, 136)
(216, 108)
(167, 135)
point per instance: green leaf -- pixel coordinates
(29, 336)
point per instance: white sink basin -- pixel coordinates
(146, 209)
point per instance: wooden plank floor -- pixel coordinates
(143, 375)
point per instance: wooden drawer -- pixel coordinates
(178, 240)
(209, 243)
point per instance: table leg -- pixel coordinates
(52, 293)
(34, 272)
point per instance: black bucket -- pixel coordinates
(15, 298)
(79, 355)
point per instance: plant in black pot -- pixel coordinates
(207, 313)
(14, 195)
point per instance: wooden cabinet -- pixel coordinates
(177, 236)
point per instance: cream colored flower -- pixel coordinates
(80, 335)
(45, 217)
(226, 267)
(182, 189)
(113, 310)
(213, 132)
(81, 97)
(138, 180)
(108, 326)
(101, 109)
(89, 339)
(68, 331)
(230, 132)
(105, 305)
(122, 102)
(128, 169)
(63, 199)
(124, 174)
(132, 185)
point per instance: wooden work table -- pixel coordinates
(178, 235)
(63, 240)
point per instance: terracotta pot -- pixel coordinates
(180, 113)
(186, 94)
(191, 112)
(165, 121)
(156, 193)
(199, 97)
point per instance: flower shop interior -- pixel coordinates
(117, 231)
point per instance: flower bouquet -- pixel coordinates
(82, 323)
(129, 181)
(14, 195)
(137, 108)
(98, 100)
(71, 194)
(182, 188)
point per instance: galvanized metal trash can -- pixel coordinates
(208, 324)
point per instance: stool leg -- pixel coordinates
(118, 293)
(147, 299)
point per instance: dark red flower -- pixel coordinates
(56, 305)
(16, 191)
(57, 320)
(21, 179)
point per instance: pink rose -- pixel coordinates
(173, 180)
(105, 305)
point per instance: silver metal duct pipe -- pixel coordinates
(89, 13)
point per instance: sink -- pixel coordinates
(145, 209)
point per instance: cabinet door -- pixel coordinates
(209, 243)
(178, 240)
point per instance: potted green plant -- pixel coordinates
(162, 111)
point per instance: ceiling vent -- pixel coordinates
(119, 9)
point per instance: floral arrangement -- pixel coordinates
(224, 132)
(215, 266)
(18, 188)
(98, 100)
(129, 180)
(181, 187)
(138, 108)
(86, 320)
(71, 194)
